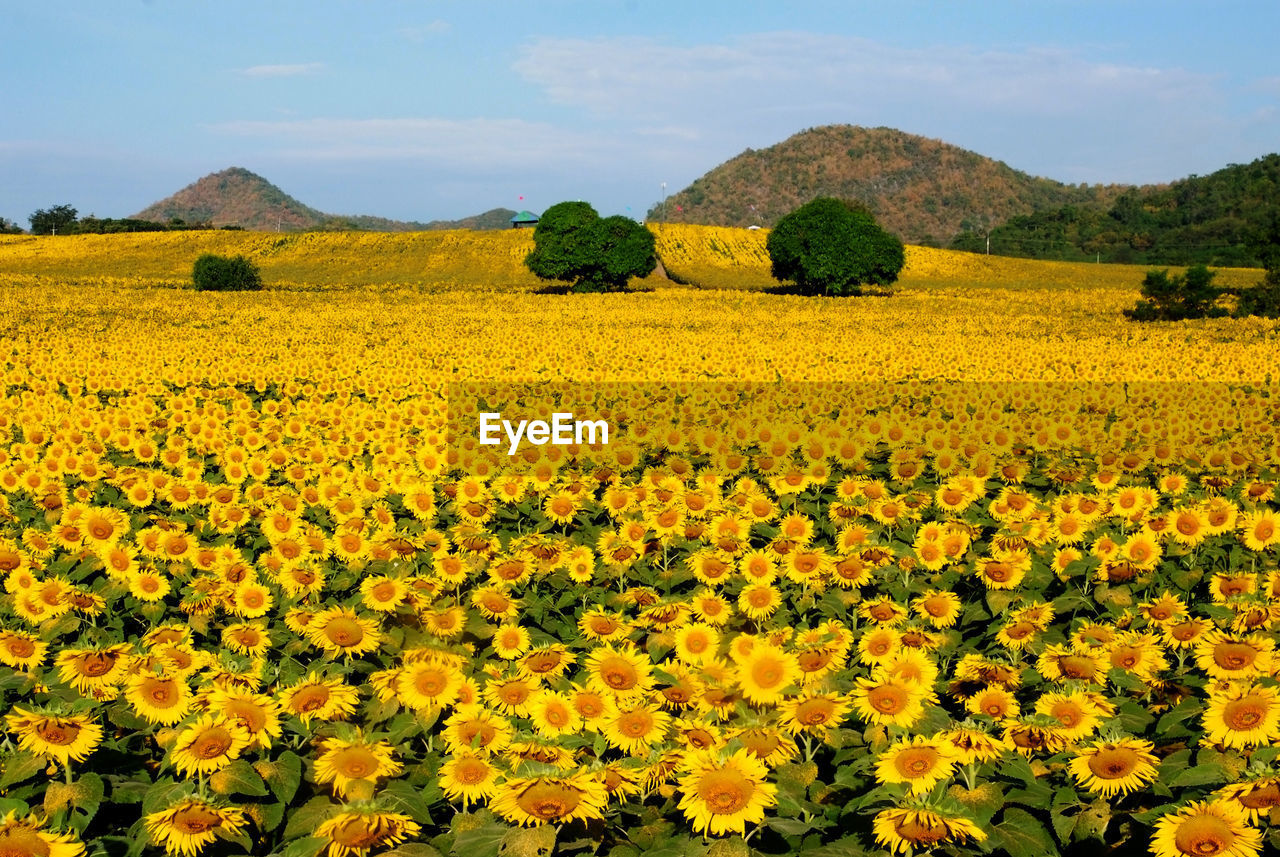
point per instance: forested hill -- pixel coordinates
(925, 191)
(1201, 219)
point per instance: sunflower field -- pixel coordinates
(963, 571)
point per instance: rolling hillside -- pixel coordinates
(926, 191)
(238, 197)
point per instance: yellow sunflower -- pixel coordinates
(189, 825)
(623, 672)
(723, 795)
(813, 713)
(61, 739)
(765, 673)
(889, 702)
(318, 698)
(21, 650)
(467, 777)
(340, 631)
(160, 700)
(1111, 768)
(257, 713)
(550, 800)
(635, 730)
(903, 830)
(358, 832)
(1205, 829)
(354, 767)
(1243, 716)
(1257, 797)
(208, 745)
(26, 837)
(919, 762)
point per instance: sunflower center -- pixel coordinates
(361, 833)
(1243, 715)
(20, 647)
(96, 665)
(58, 732)
(1262, 797)
(619, 675)
(1204, 835)
(1067, 714)
(344, 631)
(161, 693)
(920, 830)
(542, 662)
(887, 699)
(471, 772)
(725, 792)
(549, 801)
(767, 673)
(1075, 666)
(196, 819)
(635, 724)
(212, 743)
(311, 699)
(916, 761)
(1113, 763)
(1234, 656)
(814, 712)
(355, 763)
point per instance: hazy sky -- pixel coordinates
(423, 109)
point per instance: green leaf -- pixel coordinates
(1021, 835)
(308, 817)
(483, 840)
(20, 766)
(408, 800)
(789, 826)
(412, 849)
(163, 794)
(285, 776)
(309, 846)
(1201, 775)
(240, 778)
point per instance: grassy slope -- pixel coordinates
(701, 256)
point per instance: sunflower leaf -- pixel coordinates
(1022, 835)
(240, 778)
(20, 766)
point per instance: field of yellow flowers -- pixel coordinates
(976, 568)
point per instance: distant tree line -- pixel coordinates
(65, 220)
(1207, 220)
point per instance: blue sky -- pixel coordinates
(424, 109)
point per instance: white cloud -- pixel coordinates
(1040, 109)
(293, 70)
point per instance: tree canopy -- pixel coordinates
(832, 247)
(572, 243)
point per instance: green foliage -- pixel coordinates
(572, 243)
(1177, 297)
(828, 246)
(51, 221)
(1262, 299)
(214, 273)
(8, 227)
(1210, 220)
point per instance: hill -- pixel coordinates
(926, 191)
(238, 197)
(1209, 219)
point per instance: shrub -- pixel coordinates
(1182, 296)
(221, 274)
(1262, 299)
(832, 247)
(572, 243)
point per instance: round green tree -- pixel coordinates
(212, 273)
(832, 247)
(571, 243)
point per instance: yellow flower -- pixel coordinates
(62, 739)
(1111, 768)
(903, 830)
(189, 825)
(349, 765)
(550, 800)
(26, 838)
(723, 795)
(208, 745)
(1201, 828)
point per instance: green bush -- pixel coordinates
(221, 274)
(572, 243)
(1182, 296)
(832, 247)
(1262, 299)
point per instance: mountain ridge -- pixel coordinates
(239, 197)
(924, 190)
